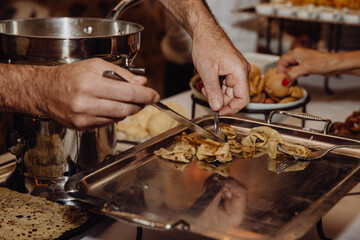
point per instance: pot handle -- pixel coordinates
(120, 8)
(113, 211)
(303, 116)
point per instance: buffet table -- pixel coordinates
(340, 223)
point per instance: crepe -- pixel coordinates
(266, 139)
(29, 217)
(181, 152)
(260, 140)
(204, 149)
(221, 169)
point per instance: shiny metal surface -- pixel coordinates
(53, 41)
(303, 116)
(7, 165)
(51, 153)
(262, 203)
(121, 7)
(54, 151)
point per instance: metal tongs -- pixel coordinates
(217, 128)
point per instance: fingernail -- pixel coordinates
(285, 82)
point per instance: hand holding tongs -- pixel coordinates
(217, 129)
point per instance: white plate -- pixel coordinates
(276, 106)
(286, 11)
(351, 18)
(265, 9)
(263, 61)
(258, 106)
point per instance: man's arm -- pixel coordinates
(213, 55)
(76, 95)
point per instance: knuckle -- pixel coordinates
(77, 105)
(80, 122)
(130, 94)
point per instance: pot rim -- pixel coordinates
(139, 29)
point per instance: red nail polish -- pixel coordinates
(285, 82)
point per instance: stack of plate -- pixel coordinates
(263, 61)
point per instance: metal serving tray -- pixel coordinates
(252, 202)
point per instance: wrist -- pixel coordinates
(22, 89)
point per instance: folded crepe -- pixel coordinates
(266, 139)
(204, 149)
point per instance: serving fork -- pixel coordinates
(314, 156)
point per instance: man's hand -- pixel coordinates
(84, 98)
(215, 56)
(227, 209)
(76, 95)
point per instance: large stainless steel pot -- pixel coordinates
(48, 150)
(52, 41)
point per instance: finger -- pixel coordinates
(124, 92)
(229, 94)
(203, 91)
(237, 97)
(106, 108)
(296, 72)
(213, 92)
(88, 121)
(237, 200)
(130, 77)
(285, 62)
(127, 75)
(215, 201)
(235, 205)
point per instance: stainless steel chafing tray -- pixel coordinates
(249, 201)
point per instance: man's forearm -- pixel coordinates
(191, 14)
(17, 83)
